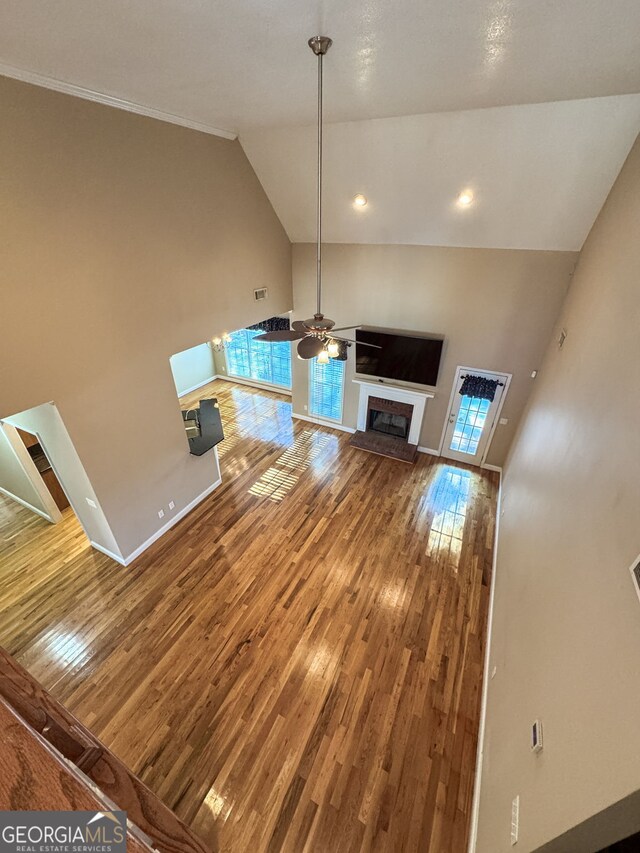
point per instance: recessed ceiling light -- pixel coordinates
(465, 198)
(359, 200)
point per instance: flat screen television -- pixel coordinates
(400, 357)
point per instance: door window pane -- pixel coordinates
(472, 417)
(263, 361)
(326, 384)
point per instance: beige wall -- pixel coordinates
(566, 630)
(125, 240)
(495, 309)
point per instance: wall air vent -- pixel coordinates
(260, 293)
(635, 574)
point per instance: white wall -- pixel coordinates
(566, 627)
(192, 368)
(46, 423)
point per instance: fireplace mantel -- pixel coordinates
(418, 399)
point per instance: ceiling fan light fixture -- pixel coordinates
(323, 357)
(333, 349)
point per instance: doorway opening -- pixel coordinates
(42, 475)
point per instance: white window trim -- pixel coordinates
(491, 374)
(322, 418)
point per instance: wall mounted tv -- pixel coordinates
(400, 357)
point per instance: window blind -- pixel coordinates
(326, 389)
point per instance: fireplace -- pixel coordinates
(396, 425)
(389, 417)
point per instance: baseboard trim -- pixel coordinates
(107, 552)
(320, 422)
(492, 468)
(165, 527)
(199, 385)
(260, 386)
(475, 806)
(27, 505)
(109, 100)
(429, 450)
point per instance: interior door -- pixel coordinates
(471, 419)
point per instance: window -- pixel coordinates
(326, 386)
(263, 361)
(472, 416)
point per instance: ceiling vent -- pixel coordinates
(260, 293)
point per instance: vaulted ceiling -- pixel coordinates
(538, 173)
(427, 69)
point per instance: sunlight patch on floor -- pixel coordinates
(285, 472)
(450, 495)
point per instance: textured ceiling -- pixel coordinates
(242, 64)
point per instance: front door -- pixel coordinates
(471, 419)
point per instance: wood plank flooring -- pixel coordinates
(297, 665)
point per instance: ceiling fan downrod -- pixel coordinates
(319, 45)
(316, 336)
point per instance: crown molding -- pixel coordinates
(108, 100)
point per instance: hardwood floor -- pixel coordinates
(297, 665)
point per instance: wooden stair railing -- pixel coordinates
(35, 777)
(43, 714)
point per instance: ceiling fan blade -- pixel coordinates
(345, 328)
(299, 326)
(351, 341)
(310, 347)
(281, 335)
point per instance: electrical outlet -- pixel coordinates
(305, 407)
(160, 513)
(515, 819)
(504, 421)
(92, 504)
(172, 505)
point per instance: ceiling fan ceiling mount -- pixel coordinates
(320, 44)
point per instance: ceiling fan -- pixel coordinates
(316, 336)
